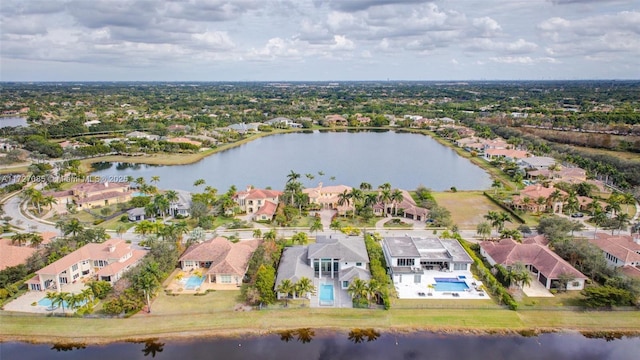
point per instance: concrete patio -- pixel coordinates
(422, 291)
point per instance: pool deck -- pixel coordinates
(341, 298)
(422, 291)
(24, 302)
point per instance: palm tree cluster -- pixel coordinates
(37, 199)
(363, 292)
(299, 289)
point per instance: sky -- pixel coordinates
(318, 40)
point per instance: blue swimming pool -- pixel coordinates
(136, 194)
(326, 294)
(47, 303)
(193, 282)
(451, 285)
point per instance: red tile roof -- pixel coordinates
(11, 255)
(225, 257)
(620, 246)
(268, 209)
(89, 252)
(507, 252)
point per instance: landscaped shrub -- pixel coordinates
(378, 265)
(491, 283)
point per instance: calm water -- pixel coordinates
(401, 159)
(385, 347)
(12, 121)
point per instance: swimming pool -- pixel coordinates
(326, 294)
(450, 285)
(136, 194)
(47, 303)
(193, 282)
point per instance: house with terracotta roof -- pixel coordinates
(12, 255)
(527, 199)
(88, 195)
(406, 208)
(184, 140)
(335, 120)
(221, 261)
(262, 203)
(545, 265)
(621, 251)
(507, 154)
(106, 261)
(328, 197)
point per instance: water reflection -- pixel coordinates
(68, 346)
(151, 347)
(359, 335)
(303, 335)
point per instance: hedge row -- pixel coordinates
(378, 265)
(506, 208)
(489, 280)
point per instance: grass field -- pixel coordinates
(214, 314)
(467, 207)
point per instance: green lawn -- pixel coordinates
(467, 207)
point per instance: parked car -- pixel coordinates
(577, 215)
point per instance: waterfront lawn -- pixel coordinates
(467, 207)
(212, 302)
(568, 298)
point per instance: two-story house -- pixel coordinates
(107, 261)
(620, 251)
(262, 203)
(328, 197)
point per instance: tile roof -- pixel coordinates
(631, 271)
(11, 255)
(116, 267)
(620, 246)
(268, 208)
(345, 248)
(112, 249)
(103, 196)
(507, 252)
(226, 257)
(294, 264)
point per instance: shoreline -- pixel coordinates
(184, 336)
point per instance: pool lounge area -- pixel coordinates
(326, 297)
(444, 285)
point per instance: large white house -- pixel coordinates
(107, 261)
(409, 257)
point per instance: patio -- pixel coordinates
(423, 291)
(176, 283)
(25, 302)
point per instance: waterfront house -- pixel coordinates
(409, 257)
(527, 200)
(545, 266)
(537, 162)
(337, 259)
(328, 197)
(406, 208)
(620, 251)
(221, 261)
(260, 203)
(106, 261)
(88, 195)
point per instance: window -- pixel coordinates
(575, 284)
(225, 279)
(74, 267)
(405, 262)
(345, 284)
(358, 264)
(417, 278)
(459, 266)
(75, 276)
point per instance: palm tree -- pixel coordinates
(484, 229)
(628, 199)
(358, 289)
(257, 234)
(61, 299)
(598, 218)
(384, 197)
(541, 200)
(300, 238)
(19, 238)
(373, 288)
(316, 226)
(269, 235)
(622, 221)
(344, 198)
(73, 300)
(365, 186)
(155, 179)
(497, 184)
(293, 177)
(87, 294)
(161, 204)
(73, 227)
(199, 182)
(304, 286)
(148, 284)
(335, 225)
(49, 201)
(144, 227)
(396, 197)
(285, 287)
(52, 296)
(34, 239)
(309, 176)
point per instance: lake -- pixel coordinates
(402, 159)
(7, 121)
(344, 347)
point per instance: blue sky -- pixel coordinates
(266, 40)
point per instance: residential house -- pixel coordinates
(506, 154)
(332, 258)
(107, 261)
(545, 265)
(181, 208)
(137, 214)
(222, 261)
(262, 203)
(409, 257)
(328, 197)
(92, 194)
(142, 135)
(335, 120)
(527, 200)
(537, 162)
(12, 255)
(282, 122)
(406, 208)
(621, 251)
(572, 175)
